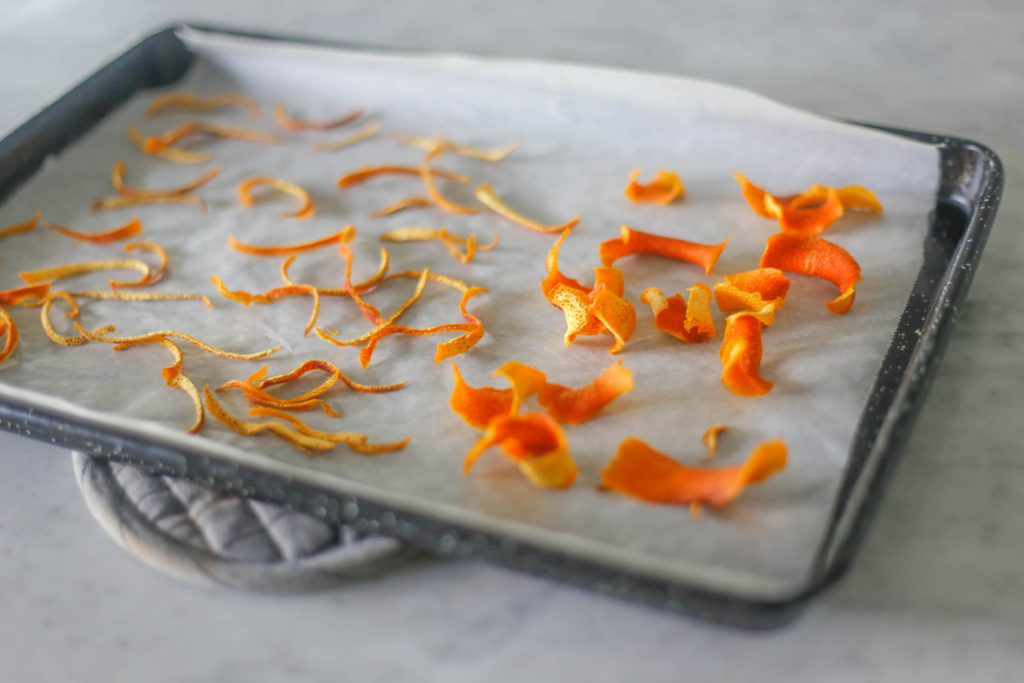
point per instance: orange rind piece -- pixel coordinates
(24, 295)
(158, 143)
(430, 144)
(124, 201)
(451, 242)
(478, 406)
(305, 210)
(117, 180)
(435, 195)
(575, 406)
(710, 440)
(535, 442)
(10, 331)
(344, 235)
(189, 100)
(56, 337)
(129, 229)
(489, 198)
(71, 269)
(817, 257)
(663, 190)
(25, 226)
(368, 172)
(642, 472)
(639, 242)
(178, 156)
(810, 212)
(402, 205)
(741, 355)
(364, 133)
(356, 442)
(131, 295)
(689, 321)
(761, 292)
(103, 336)
(293, 124)
(175, 377)
(386, 322)
(245, 298)
(312, 365)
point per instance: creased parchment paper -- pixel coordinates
(581, 131)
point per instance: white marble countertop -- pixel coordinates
(937, 591)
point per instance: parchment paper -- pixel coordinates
(581, 131)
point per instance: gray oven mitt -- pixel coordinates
(197, 534)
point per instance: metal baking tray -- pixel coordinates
(970, 187)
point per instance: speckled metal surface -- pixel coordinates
(972, 182)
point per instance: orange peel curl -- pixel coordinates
(489, 198)
(536, 443)
(638, 242)
(741, 355)
(665, 188)
(817, 257)
(305, 210)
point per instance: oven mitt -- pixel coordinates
(197, 534)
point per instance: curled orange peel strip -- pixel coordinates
(644, 473)
(324, 366)
(811, 211)
(526, 381)
(360, 287)
(575, 406)
(429, 144)
(420, 285)
(158, 143)
(25, 295)
(369, 312)
(267, 297)
(368, 172)
(306, 443)
(175, 377)
(179, 156)
(665, 187)
(364, 133)
(25, 226)
(340, 237)
(117, 180)
(189, 100)
(741, 355)
(435, 195)
(401, 205)
(638, 242)
(535, 442)
(290, 123)
(308, 206)
(710, 440)
(260, 397)
(761, 292)
(97, 336)
(816, 257)
(689, 321)
(71, 269)
(129, 229)
(450, 241)
(489, 198)
(118, 295)
(84, 338)
(10, 331)
(357, 442)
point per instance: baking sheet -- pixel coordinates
(581, 132)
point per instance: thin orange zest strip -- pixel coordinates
(690, 320)
(811, 211)
(535, 442)
(324, 366)
(131, 295)
(816, 257)
(364, 133)
(575, 406)
(122, 201)
(451, 242)
(761, 291)
(368, 172)
(341, 236)
(435, 195)
(642, 472)
(10, 331)
(402, 205)
(260, 397)
(175, 377)
(303, 442)
(247, 298)
(420, 285)
(741, 355)
(70, 269)
(710, 440)
(180, 156)
(357, 442)
(308, 206)
(638, 242)
(129, 229)
(44, 318)
(478, 406)
(526, 381)
(26, 226)
(665, 187)
(293, 124)
(158, 143)
(117, 180)
(188, 100)
(489, 198)
(19, 295)
(98, 336)
(429, 144)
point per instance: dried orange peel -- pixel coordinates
(357, 442)
(189, 100)
(25, 226)
(174, 376)
(479, 405)
(761, 292)
(306, 443)
(56, 337)
(364, 133)
(260, 397)
(178, 156)
(70, 269)
(344, 235)
(710, 440)
(665, 188)
(589, 311)
(638, 242)
(816, 257)
(690, 320)
(132, 295)
(575, 406)
(811, 211)
(245, 298)
(535, 442)
(158, 143)
(365, 337)
(293, 124)
(124, 201)
(97, 336)
(332, 370)
(24, 295)
(129, 229)
(451, 242)
(402, 205)
(741, 355)
(10, 332)
(489, 198)
(368, 172)
(305, 210)
(430, 144)
(427, 174)
(117, 180)
(651, 476)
